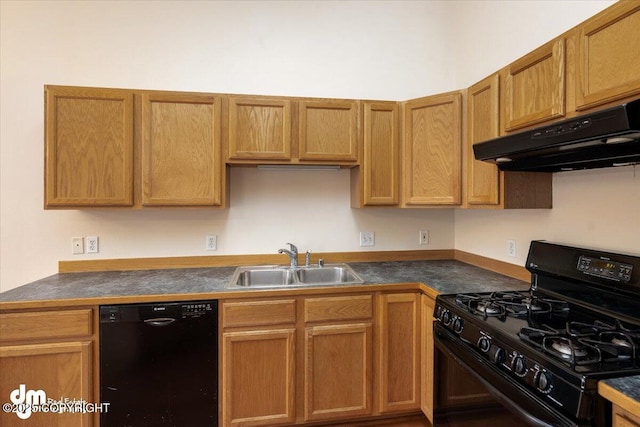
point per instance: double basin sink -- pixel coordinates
(274, 276)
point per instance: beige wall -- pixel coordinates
(361, 49)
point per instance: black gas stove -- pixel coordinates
(543, 351)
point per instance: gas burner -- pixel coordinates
(566, 349)
(489, 308)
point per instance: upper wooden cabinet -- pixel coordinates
(486, 186)
(534, 87)
(431, 150)
(181, 153)
(608, 56)
(88, 147)
(375, 182)
(483, 113)
(259, 128)
(328, 130)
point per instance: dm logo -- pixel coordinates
(25, 400)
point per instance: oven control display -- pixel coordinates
(605, 268)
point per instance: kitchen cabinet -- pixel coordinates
(95, 159)
(51, 351)
(328, 130)
(338, 357)
(88, 147)
(486, 186)
(608, 56)
(259, 128)
(427, 400)
(534, 87)
(623, 418)
(375, 182)
(398, 344)
(181, 150)
(258, 362)
(432, 151)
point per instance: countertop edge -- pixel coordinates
(619, 398)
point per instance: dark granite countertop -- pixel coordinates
(629, 386)
(446, 276)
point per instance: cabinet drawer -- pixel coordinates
(338, 308)
(256, 313)
(45, 324)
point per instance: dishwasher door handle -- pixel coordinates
(160, 321)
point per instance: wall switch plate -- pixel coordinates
(77, 245)
(367, 238)
(211, 243)
(92, 245)
(511, 248)
(423, 239)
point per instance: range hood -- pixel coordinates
(601, 139)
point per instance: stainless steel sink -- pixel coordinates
(274, 276)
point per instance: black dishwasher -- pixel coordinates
(159, 364)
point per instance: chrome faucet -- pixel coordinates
(293, 254)
(307, 258)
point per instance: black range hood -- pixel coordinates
(601, 139)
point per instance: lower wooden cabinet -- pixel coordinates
(49, 354)
(427, 404)
(258, 377)
(623, 418)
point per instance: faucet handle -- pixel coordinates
(293, 247)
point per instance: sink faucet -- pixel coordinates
(293, 254)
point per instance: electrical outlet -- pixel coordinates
(92, 245)
(77, 245)
(211, 243)
(511, 248)
(423, 239)
(367, 238)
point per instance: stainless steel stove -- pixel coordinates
(542, 352)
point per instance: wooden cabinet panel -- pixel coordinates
(181, 156)
(338, 368)
(483, 112)
(259, 128)
(535, 87)
(622, 418)
(338, 308)
(45, 324)
(88, 147)
(379, 166)
(258, 313)
(432, 146)
(60, 370)
(427, 357)
(399, 347)
(329, 130)
(609, 56)
(258, 377)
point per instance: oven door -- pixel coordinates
(516, 398)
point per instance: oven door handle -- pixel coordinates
(443, 339)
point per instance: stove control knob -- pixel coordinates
(518, 365)
(542, 381)
(484, 343)
(458, 325)
(499, 356)
(445, 316)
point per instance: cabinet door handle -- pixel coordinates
(160, 321)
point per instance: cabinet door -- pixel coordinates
(483, 123)
(534, 87)
(258, 377)
(609, 56)
(427, 357)
(60, 370)
(432, 148)
(259, 129)
(376, 181)
(88, 147)
(623, 418)
(399, 347)
(329, 130)
(338, 371)
(181, 160)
